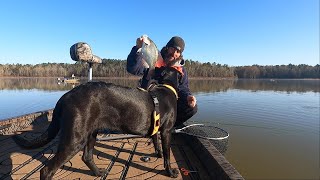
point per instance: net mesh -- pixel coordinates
(210, 131)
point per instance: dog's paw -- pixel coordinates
(173, 173)
(100, 172)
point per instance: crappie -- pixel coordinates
(149, 53)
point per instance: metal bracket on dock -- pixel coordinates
(127, 136)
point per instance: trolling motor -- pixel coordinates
(81, 51)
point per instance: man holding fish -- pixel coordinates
(145, 59)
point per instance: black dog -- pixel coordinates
(83, 111)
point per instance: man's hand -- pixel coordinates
(192, 101)
(139, 42)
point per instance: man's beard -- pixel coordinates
(171, 63)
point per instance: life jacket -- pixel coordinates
(160, 63)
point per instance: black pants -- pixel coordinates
(185, 112)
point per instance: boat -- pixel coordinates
(72, 80)
(130, 158)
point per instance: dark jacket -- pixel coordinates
(137, 68)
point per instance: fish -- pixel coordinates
(148, 54)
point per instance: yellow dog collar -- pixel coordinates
(171, 88)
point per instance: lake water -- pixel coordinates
(273, 124)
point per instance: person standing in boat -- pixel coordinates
(172, 56)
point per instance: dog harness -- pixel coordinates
(169, 87)
(156, 112)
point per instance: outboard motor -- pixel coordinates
(81, 51)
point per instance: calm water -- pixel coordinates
(273, 124)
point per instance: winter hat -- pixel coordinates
(176, 42)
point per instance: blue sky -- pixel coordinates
(232, 32)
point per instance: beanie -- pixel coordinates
(176, 42)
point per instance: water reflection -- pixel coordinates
(195, 85)
(279, 85)
(33, 83)
(255, 85)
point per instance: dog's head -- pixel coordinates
(169, 76)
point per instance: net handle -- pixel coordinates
(174, 131)
(181, 129)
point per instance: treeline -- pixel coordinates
(108, 68)
(117, 68)
(278, 71)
